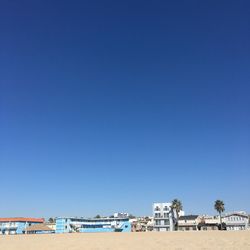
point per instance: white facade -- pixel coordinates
(121, 215)
(163, 217)
(236, 221)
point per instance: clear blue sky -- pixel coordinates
(109, 106)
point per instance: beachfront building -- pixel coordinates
(163, 217)
(236, 221)
(17, 225)
(121, 215)
(188, 223)
(142, 224)
(39, 228)
(206, 222)
(51, 225)
(82, 225)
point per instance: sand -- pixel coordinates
(129, 241)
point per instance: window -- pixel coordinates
(157, 215)
(158, 222)
(165, 208)
(165, 215)
(157, 208)
(165, 222)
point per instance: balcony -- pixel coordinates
(167, 226)
(165, 216)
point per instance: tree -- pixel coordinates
(177, 206)
(131, 216)
(98, 216)
(219, 207)
(51, 220)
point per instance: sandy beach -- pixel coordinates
(132, 241)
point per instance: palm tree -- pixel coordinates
(177, 206)
(219, 207)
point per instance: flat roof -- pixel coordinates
(92, 219)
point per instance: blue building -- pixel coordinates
(17, 225)
(72, 224)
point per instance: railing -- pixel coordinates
(161, 217)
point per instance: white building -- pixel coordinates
(121, 215)
(236, 221)
(163, 217)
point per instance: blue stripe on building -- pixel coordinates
(71, 224)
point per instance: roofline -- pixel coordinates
(22, 219)
(189, 216)
(162, 202)
(238, 214)
(94, 219)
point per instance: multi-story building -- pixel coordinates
(142, 224)
(207, 222)
(82, 225)
(188, 223)
(163, 217)
(121, 215)
(236, 221)
(17, 225)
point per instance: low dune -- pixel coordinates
(129, 241)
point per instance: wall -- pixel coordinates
(63, 225)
